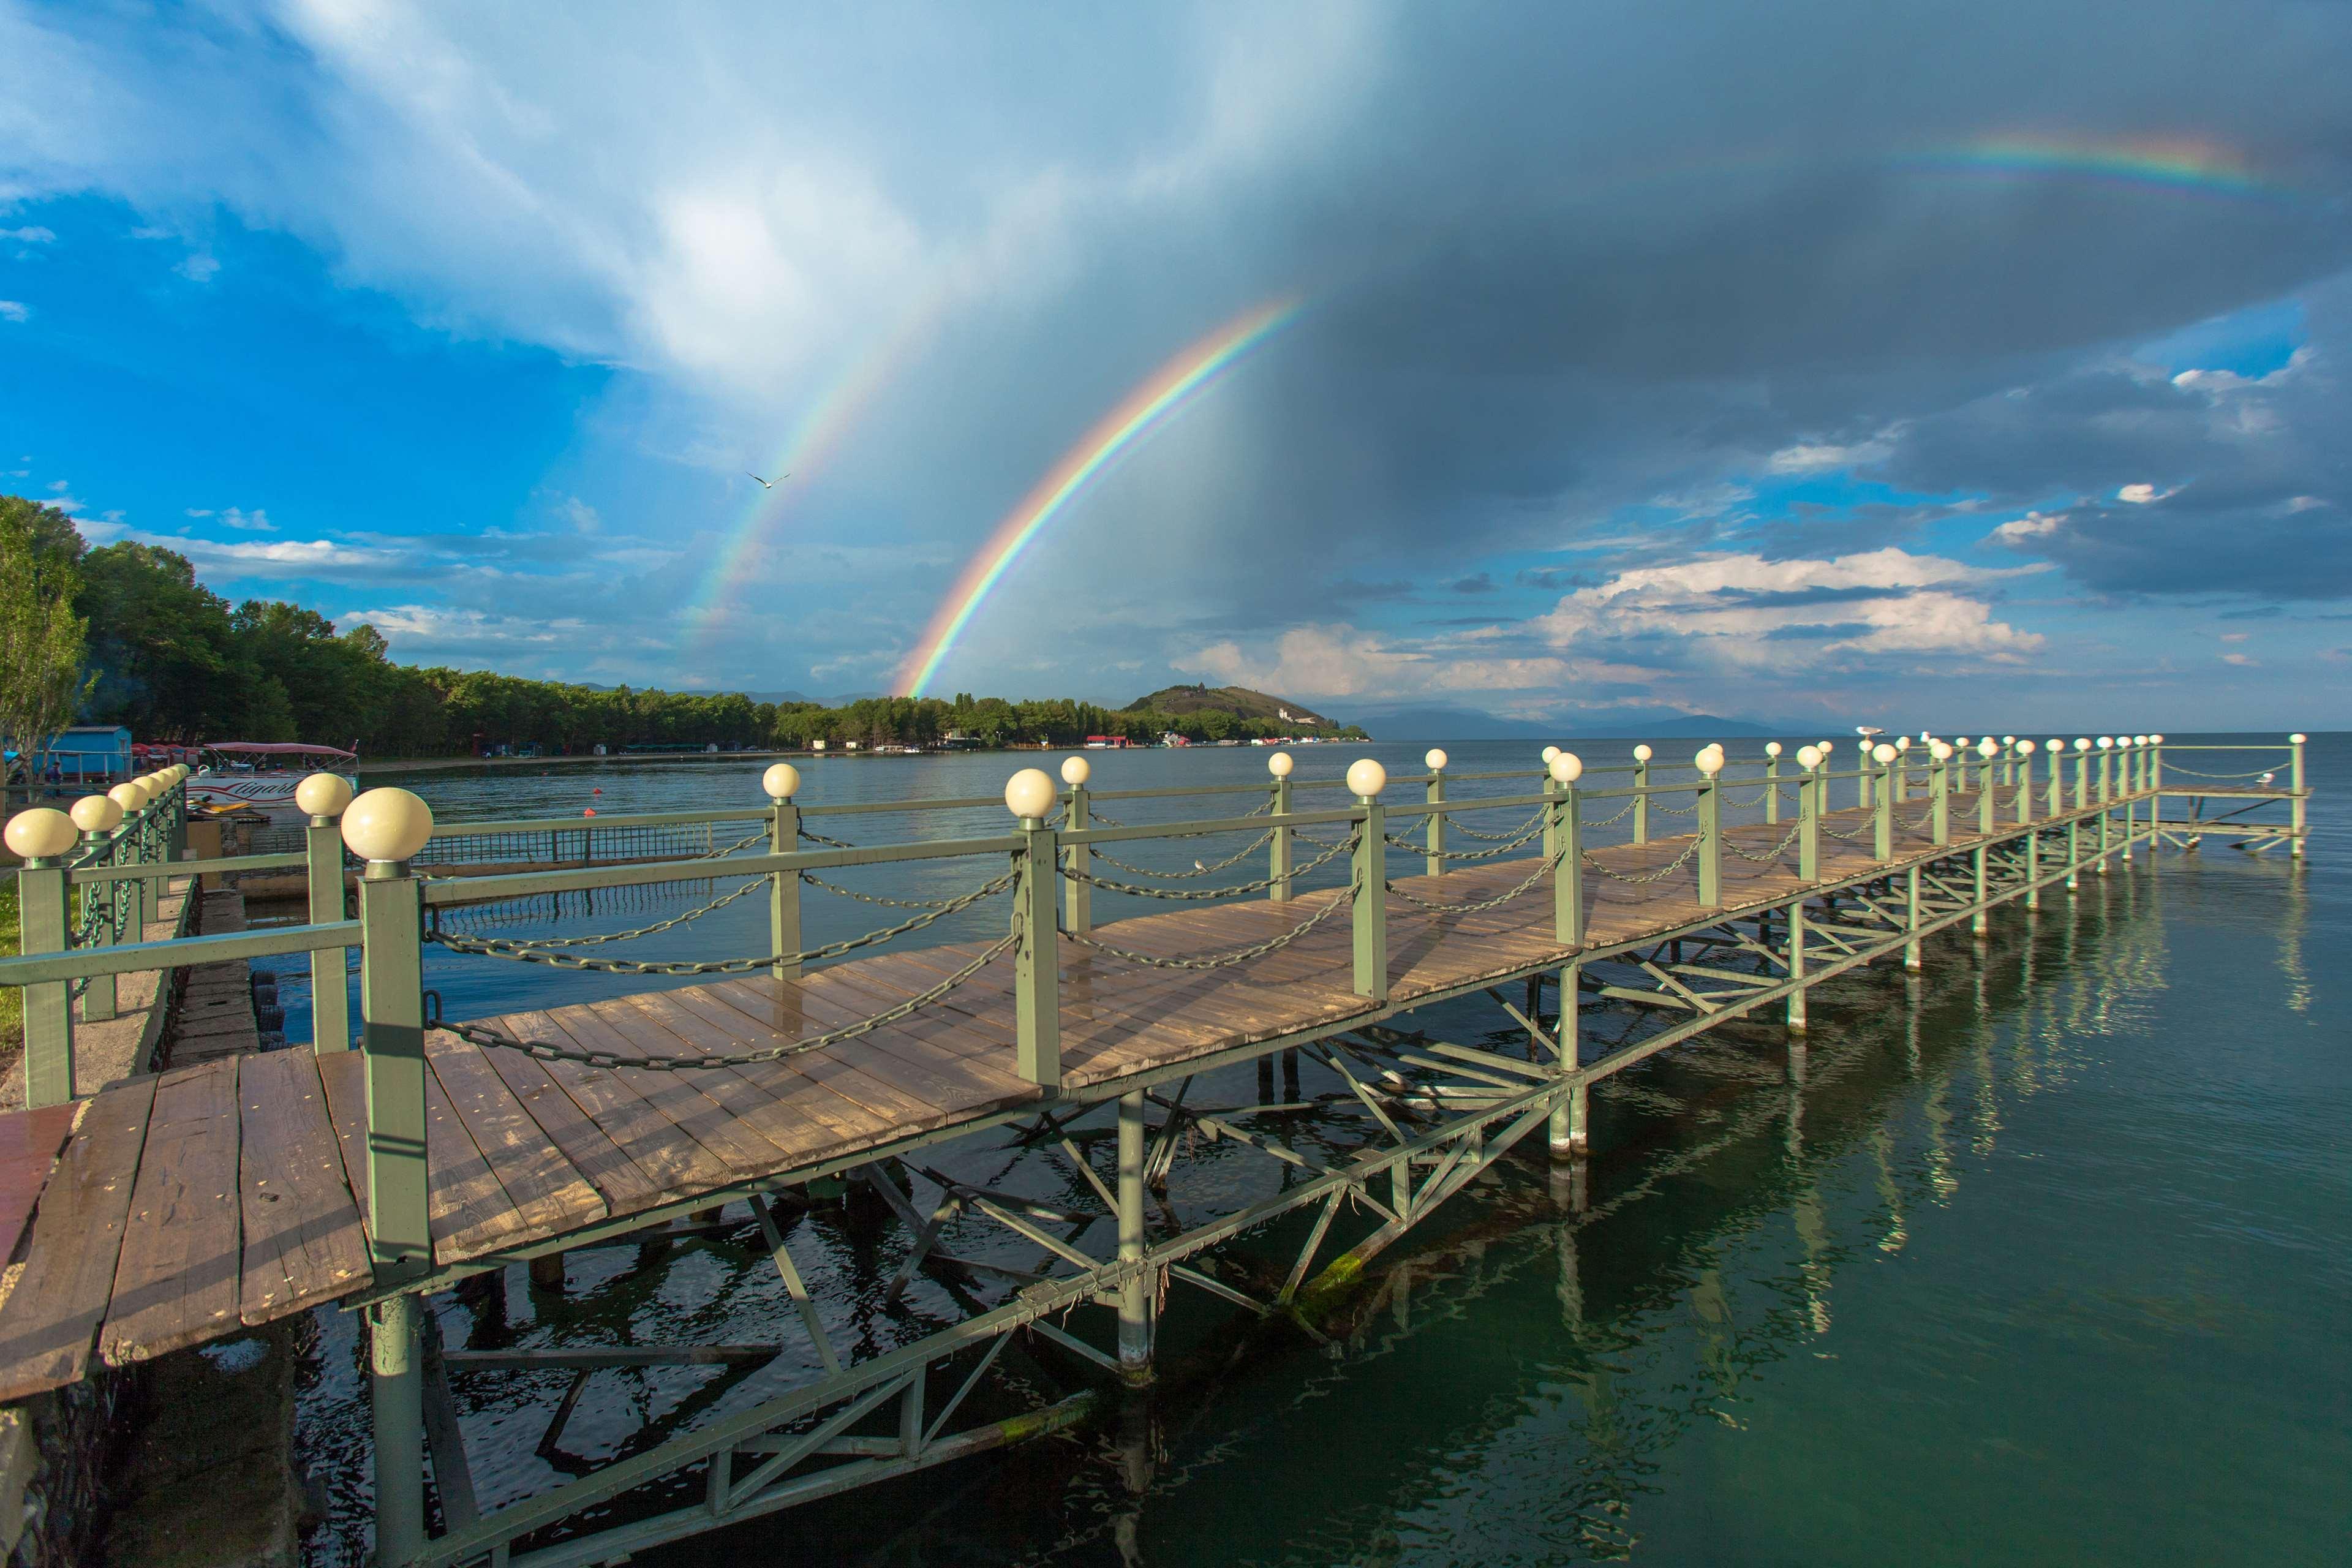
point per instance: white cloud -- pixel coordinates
(1812, 457)
(1323, 661)
(31, 235)
(254, 522)
(281, 558)
(1751, 611)
(2143, 495)
(2242, 660)
(200, 267)
(200, 512)
(15, 311)
(2234, 636)
(2032, 525)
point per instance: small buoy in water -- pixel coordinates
(598, 789)
(590, 812)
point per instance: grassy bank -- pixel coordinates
(12, 1001)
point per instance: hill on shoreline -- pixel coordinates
(1238, 700)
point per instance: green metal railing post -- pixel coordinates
(100, 999)
(1570, 1129)
(2025, 786)
(1436, 827)
(1939, 786)
(2106, 795)
(48, 1007)
(330, 999)
(1641, 794)
(153, 849)
(2297, 806)
(1710, 841)
(2057, 779)
(391, 1034)
(1797, 1024)
(396, 1395)
(1988, 796)
(784, 888)
(1138, 1292)
(1278, 866)
(2082, 779)
(2155, 768)
(1810, 791)
(1566, 834)
(1882, 817)
(1899, 773)
(1371, 911)
(1773, 783)
(1078, 898)
(1038, 960)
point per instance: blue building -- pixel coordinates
(90, 753)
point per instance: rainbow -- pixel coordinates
(1153, 400)
(816, 437)
(2174, 163)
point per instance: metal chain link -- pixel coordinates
(2192, 772)
(1237, 856)
(1225, 959)
(489, 1038)
(1772, 854)
(1690, 810)
(828, 843)
(1658, 875)
(1543, 868)
(815, 880)
(655, 929)
(1204, 894)
(1622, 812)
(1464, 827)
(521, 952)
(1410, 847)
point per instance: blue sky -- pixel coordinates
(1653, 356)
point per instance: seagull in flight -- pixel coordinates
(769, 484)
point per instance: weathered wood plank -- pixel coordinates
(303, 1244)
(51, 1315)
(546, 1194)
(177, 1280)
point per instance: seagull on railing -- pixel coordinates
(769, 484)
(1867, 731)
(1198, 867)
(2265, 778)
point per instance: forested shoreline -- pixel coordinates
(176, 662)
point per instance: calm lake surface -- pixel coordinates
(2046, 1256)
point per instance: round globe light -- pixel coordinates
(130, 794)
(1709, 761)
(1029, 795)
(1901, 743)
(2139, 740)
(387, 825)
(1771, 748)
(1435, 761)
(1988, 748)
(2297, 739)
(1567, 767)
(1940, 750)
(2055, 744)
(1825, 747)
(1366, 778)
(781, 782)
(97, 813)
(42, 834)
(323, 795)
(1641, 753)
(2081, 742)
(2025, 748)
(1548, 753)
(2009, 739)
(1884, 752)
(1280, 764)
(2106, 743)
(2156, 740)
(1076, 770)
(1809, 757)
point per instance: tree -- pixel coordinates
(41, 640)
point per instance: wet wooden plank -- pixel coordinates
(626, 1186)
(303, 1244)
(51, 1316)
(183, 1259)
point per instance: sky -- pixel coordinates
(1970, 367)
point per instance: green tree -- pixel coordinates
(41, 640)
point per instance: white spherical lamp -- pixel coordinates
(1709, 761)
(1435, 760)
(1029, 795)
(1884, 752)
(130, 794)
(1567, 767)
(42, 834)
(781, 782)
(1809, 757)
(1825, 747)
(1280, 764)
(2025, 748)
(1641, 753)
(1076, 771)
(1548, 753)
(97, 813)
(1988, 748)
(2009, 739)
(1367, 778)
(1940, 750)
(387, 825)
(1771, 748)
(323, 795)
(1901, 743)
(2297, 739)
(2156, 740)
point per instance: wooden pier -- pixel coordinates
(187, 1205)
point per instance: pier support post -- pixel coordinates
(391, 1035)
(396, 1395)
(1980, 922)
(1038, 960)
(1883, 814)
(1435, 828)
(1137, 1293)
(2073, 852)
(1710, 831)
(1810, 791)
(1771, 784)
(1939, 788)
(2296, 806)
(547, 1273)
(1911, 960)
(1797, 1024)
(2033, 869)
(1569, 1134)
(1565, 832)
(782, 782)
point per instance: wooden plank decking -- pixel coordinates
(187, 1204)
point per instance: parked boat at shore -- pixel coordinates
(261, 774)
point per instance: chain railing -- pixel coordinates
(1544, 868)
(1244, 853)
(1796, 829)
(1202, 895)
(1660, 874)
(1224, 960)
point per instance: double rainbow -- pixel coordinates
(1140, 412)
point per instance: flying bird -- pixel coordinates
(769, 484)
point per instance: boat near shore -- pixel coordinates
(261, 776)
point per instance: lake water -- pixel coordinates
(2045, 1257)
